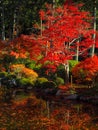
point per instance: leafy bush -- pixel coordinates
(72, 63)
(49, 84)
(21, 71)
(40, 81)
(59, 81)
(61, 71)
(44, 83)
(29, 73)
(30, 64)
(3, 74)
(17, 69)
(86, 71)
(25, 82)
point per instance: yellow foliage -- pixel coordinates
(21, 70)
(17, 67)
(29, 73)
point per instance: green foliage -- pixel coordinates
(3, 74)
(59, 81)
(49, 84)
(21, 61)
(72, 64)
(11, 76)
(45, 83)
(30, 64)
(61, 71)
(40, 81)
(25, 82)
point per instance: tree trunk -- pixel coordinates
(77, 52)
(3, 24)
(66, 65)
(94, 27)
(14, 25)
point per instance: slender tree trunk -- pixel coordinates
(94, 27)
(66, 65)
(14, 25)
(54, 2)
(77, 52)
(3, 24)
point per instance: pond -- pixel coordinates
(74, 115)
(32, 113)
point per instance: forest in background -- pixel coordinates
(19, 17)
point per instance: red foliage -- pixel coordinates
(24, 46)
(86, 70)
(65, 28)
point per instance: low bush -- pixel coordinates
(49, 84)
(59, 81)
(25, 82)
(3, 74)
(86, 71)
(40, 81)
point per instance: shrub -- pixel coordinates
(26, 72)
(22, 72)
(3, 74)
(72, 63)
(49, 84)
(61, 71)
(59, 81)
(86, 71)
(25, 82)
(40, 81)
(17, 69)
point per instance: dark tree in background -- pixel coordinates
(19, 16)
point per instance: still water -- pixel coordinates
(75, 114)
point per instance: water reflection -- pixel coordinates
(79, 115)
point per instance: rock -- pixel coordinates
(61, 93)
(71, 97)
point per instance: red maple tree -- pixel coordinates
(66, 33)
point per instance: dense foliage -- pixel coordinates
(86, 71)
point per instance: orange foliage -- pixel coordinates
(17, 55)
(17, 67)
(29, 72)
(23, 71)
